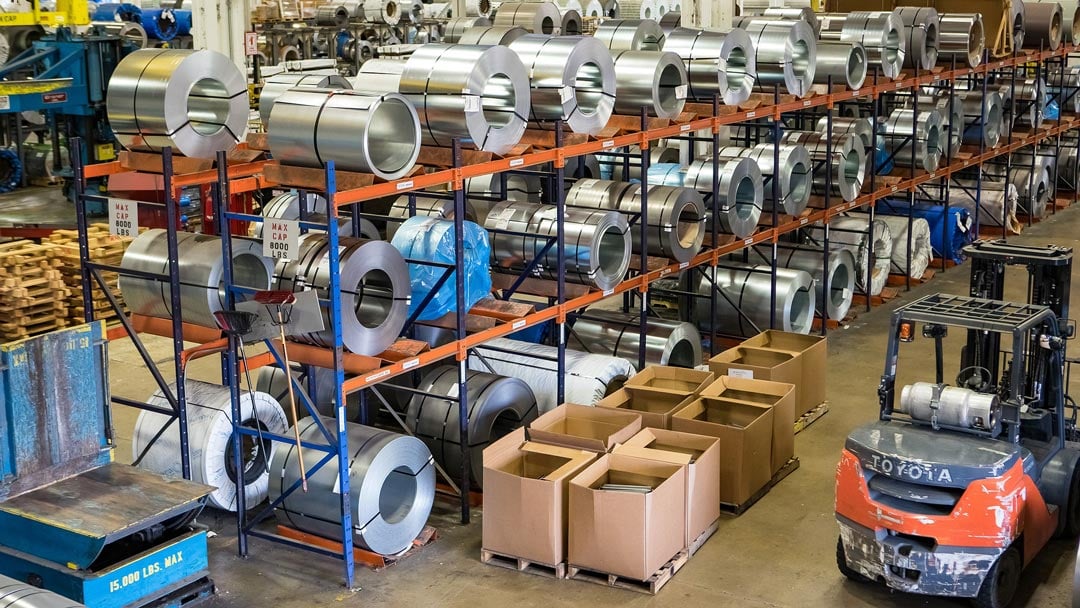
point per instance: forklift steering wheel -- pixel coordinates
(984, 378)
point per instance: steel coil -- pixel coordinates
(1074, 31)
(497, 406)
(378, 134)
(997, 203)
(806, 14)
(656, 81)
(920, 254)
(1019, 23)
(1066, 84)
(519, 187)
(382, 11)
(861, 128)
(570, 23)
(631, 35)
(981, 122)
(841, 276)
(585, 166)
(744, 302)
(374, 282)
(498, 35)
(902, 134)
(15, 594)
(1033, 189)
(592, 9)
(536, 17)
(953, 125)
(332, 14)
(961, 35)
(286, 206)
(608, 332)
(271, 380)
(844, 62)
(439, 208)
(670, 21)
(667, 174)
(794, 182)
(193, 101)
(201, 271)
(597, 243)
(1067, 166)
(571, 78)
(455, 28)
(391, 487)
(1028, 99)
(39, 162)
(210, 429)
(717, 63)
(277, 84)
(848, 162)
(852, 233)
(740, 192)
(786, 54)
(478, 8)
(920, 36)
(880, 33)
(132, 33)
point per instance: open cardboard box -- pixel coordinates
(778, 395)
(526, 497)
(654, 406)
(702, 471)
(596, 429)
(676, 379)
(759, 364)
(745, 433)
(811, 353)
(625, 533)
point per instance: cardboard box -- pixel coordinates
(526, 497)
(676, 379)
(759, 364)
(778, 395)
(625, 533)
(702, 472)
(596, 429)
(655, 406)
(745, 433)
(811, 353)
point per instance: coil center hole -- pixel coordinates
(588, 87)
(373, 298)
(689, 226)
(745, 199)
(838, 285)
(208, 106)
(612, 251)
(736, 69)
(392, 125)
(498, 100)
(798, 182)
(800, 58)
(547, 26)
(397, 495)
(670, 78)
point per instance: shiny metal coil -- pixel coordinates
(1028, 101)
(717, 63)
(902, 133)
(455, 28)
(1019, 23)
(844, 62)
(286, 206)
(786, 54)
(1033, 189)
(201, 269)
(519, 187)
(497, 406)
(571, 78)
(1074, 31)
(501, 35)
(997, 203)
(391, 487)
(1067, 166)
(880, 33)
(962, 35)
(670, 21)
(848, 162)
(851, 232)
(861, 128)
(332, 14)
(384, 11)
(371, 133)
(536, 17)
(375, 289)
(920, 36)
(748, 289)
(193, 101)
(654, 80)
(15, 594)
(571, 22)
(478, 8)
(131, 32)
(440, 208)
(610, 332)
(806, 14)
(920, 254)
(794, 183)
(631, 35)
(841, 276)
(982, 122)
(740, 192)
(277, 84)
(272, 381)
(597, 243)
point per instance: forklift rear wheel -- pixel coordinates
(1072, 514)
(841, 563)
(1001, 581)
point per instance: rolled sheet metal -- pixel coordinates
(383, 11)
(571, 22)
(271, 380)
(16, 594)
(1019, 23)
(210, 427)
(920, 36)
(478, 94)
(455, 28)
(794, 182)
(670, 21)
(880, 33)
(740, 192)
(571, 78)
(192, 101)
(1044, 25)
(440, 208)
(374, 281)
(1067, 166)
(953, 125)
(844, 62)
(499, 35)
(920, 254)
(332, 14)
(277, 84)
(805, 13)
(589, 378)
(519, 187)
(371, 133)
(587, 166)
(391, 487)
(928, 133)
(1033, 189)
(132, 33)
(848, 162)
(786, 54)
(673, 343)
(851, 232)
(841, 276)
(961, 35)
(717, 63)
(862, 128)
(667, 174)
(597, 243)
(1028, 98)
(497, 406)
(201, 269)
(654, 80)
(593, 9)
(747, 289)
(286, 206)
(982, 122)
(1067, 83)
(997, 203)
(478, 8)
(536, 17)
(631, 35)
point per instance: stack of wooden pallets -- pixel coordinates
(33, 296)
(104, 249)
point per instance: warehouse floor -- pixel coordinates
(778, 553)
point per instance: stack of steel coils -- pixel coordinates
(880, 33)
(497, 35)
(793, 178)
(740, 192)
(717, 63)
(847, 164)
(920, 36)
(673, 343)
(982, 116)
(744, 304)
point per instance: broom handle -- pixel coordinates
(292, 400)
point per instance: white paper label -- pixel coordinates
(684, 265)
(608, 292)
(411, 363)
(405, 184)
(608, 143)
(281, 239)
(123, 217)
(751, 114)
(684, 128)
(566, 94)
(748, 241)
(518, 324)
(472, 103)
(680, 91)
(741, 373)
(517, 162)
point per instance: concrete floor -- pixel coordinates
(779, 553)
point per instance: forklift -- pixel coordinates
(955, 489)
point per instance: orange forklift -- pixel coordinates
(955, 489)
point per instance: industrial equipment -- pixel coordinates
(72, 521)
(957, 488)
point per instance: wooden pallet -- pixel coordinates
(699, 542)
(900, 279)
(784, 471)
(373, 561)
(811, 417)
(650, 586)
(510, 562)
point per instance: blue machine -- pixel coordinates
(71, 521)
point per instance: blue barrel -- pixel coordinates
(183, 22)
(118, 11)
(948, 235)
(160, 23)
